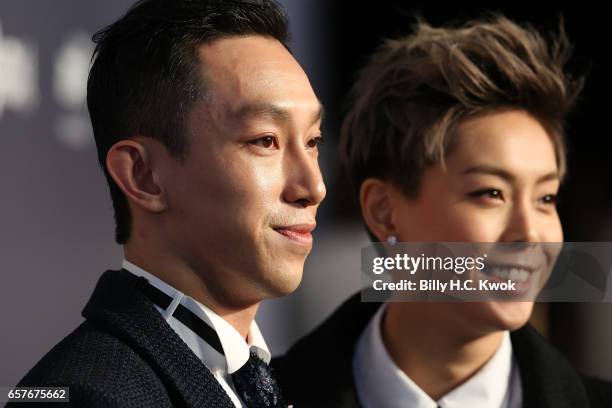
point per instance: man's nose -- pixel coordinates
(304, 183)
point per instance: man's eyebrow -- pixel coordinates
(507, 176)
(320, 115)
(274, 111)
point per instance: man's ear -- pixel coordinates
(129, 163)
(375, 198)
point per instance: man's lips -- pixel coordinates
(298, 233)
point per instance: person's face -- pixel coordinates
(243, 204)
(499, 185)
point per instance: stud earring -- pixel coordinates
(391, 240)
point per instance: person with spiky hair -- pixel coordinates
(453, 134)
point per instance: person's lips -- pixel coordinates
(524, 275)
(298, 233)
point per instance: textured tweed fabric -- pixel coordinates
(125, 355)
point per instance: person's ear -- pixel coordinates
(129, 162)
(375, 198)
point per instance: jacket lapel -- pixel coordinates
(119, 305)
(322, 361)
(547, 378)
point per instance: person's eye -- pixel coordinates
(550, 199)
(266, 142)
(315, 142)
(489, 193)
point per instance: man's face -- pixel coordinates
(499, 185)
(242, 205)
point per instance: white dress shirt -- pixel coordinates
(380, 383)
(236, 349)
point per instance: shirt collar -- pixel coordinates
(236, 349)
(381, 383)
(489, 386)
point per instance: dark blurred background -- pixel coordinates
(57, 227)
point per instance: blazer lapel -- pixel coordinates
(322, 361)
(547, 378)
(119, 305)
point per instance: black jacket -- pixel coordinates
(317, 371)
(125, 355)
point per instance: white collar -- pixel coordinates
(489, 386)
(236, 349)
(381, 383)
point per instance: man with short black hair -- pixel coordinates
(207, 130)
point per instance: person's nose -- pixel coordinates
(522, 224)
(304, 183)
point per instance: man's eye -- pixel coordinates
(315, 142)
(488, 193)
(267, 142)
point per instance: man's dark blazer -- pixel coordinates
(317, 371)
(126, 355)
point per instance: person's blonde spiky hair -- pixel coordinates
(410, 97)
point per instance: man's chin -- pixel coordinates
(284, 281)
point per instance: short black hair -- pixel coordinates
(145, 73)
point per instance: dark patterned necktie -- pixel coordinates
(256, 386)
(254, 381)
